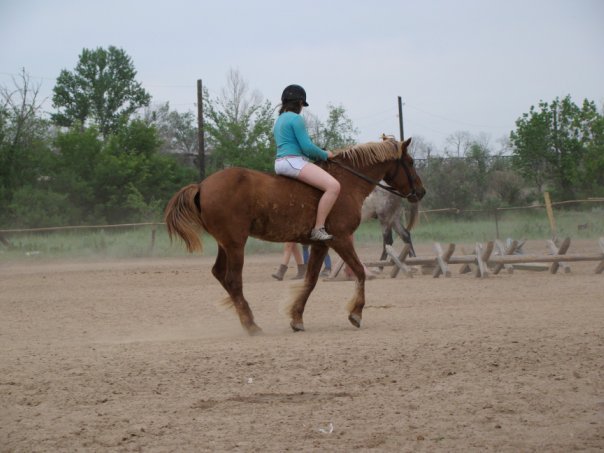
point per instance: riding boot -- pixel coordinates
(281, 272)
(301, 272)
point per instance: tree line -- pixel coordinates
(106, 155)
(557, 146)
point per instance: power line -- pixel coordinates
(448, 119)
(373, 115)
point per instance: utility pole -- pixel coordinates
(200, 139)
(400, 118)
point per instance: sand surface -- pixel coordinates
(139, 355)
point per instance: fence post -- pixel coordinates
(496, 223)
(153, 233)
(550, 215)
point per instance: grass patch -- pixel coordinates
(528, 224)
(132, 242)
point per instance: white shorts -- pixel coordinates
(290, 165)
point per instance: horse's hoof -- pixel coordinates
(355, 320)
(297, 326)
(253, 330)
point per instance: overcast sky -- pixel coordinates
(459, 65)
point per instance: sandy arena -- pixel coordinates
(140, 355)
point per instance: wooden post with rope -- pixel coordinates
(550, 215)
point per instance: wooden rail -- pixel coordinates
(484, 261)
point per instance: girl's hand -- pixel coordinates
(330, 155)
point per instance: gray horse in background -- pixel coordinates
(389, 209)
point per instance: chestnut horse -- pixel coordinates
(236, 203)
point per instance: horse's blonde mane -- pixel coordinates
(370, 153)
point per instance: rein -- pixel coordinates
(387, 188)
(378, 183)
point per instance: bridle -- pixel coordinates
(392, 190)
(387, 188)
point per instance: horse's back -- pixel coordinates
(264, 204)
(242, 185)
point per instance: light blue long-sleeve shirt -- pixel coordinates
(292, 138)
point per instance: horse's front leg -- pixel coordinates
(345, 249)
(296, 311)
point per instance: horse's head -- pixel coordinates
(403, 176)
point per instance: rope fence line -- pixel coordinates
(511, 208)
(79, 227)
(6, 243)
(155, 224)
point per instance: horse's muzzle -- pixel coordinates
(417, 195)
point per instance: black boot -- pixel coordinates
(281, 272)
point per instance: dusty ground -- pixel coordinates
(140, 356)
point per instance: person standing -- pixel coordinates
(289, 249)
(327, 261)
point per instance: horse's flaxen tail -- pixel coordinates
(183, 217)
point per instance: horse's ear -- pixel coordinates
(407, 142)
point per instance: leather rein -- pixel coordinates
(378, 183)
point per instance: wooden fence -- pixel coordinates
(483, 260)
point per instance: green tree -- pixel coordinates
(479, 179)
(558, 145)
(33, 206)
(123, 178)
(147, 177)
(447, 182)
(338, 131)
(506, 186)
(591, 169)
(238, 128)
(78, 160)
(477, 162)
(25, 154)
(177, 131)
(101, 91)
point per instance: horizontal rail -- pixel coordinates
(511, 259)
(483, 257)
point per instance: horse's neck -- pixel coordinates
(374, 172)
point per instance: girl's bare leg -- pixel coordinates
(317, 177)
(295, 250)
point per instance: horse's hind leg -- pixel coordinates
(219, 268)
(317, 255)
(228, 271)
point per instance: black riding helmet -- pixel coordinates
(294, 93)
